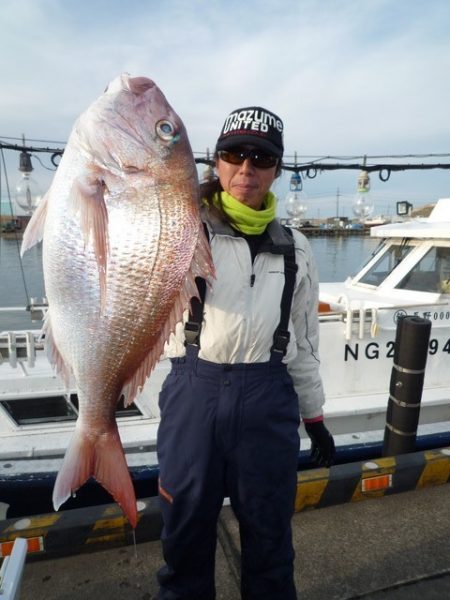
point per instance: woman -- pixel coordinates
(243, 371)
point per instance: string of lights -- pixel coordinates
(308, 165)
(300, 166)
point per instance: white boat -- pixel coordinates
(409, 273)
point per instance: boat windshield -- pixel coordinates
(430, 274)
(387, 262)
(378, 250)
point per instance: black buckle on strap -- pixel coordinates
(281, 341)
(191, 332)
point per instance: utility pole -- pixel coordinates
(337, 204)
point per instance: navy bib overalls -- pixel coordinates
(228, 430)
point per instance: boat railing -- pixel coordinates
(20, 346)
(358, 316)
(360, 319)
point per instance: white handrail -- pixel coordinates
(12, 570)
(362, 320)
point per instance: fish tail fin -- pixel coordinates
(102, 457)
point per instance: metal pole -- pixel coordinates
(405, 392)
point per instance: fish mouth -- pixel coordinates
(135, 85)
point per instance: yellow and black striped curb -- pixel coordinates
(83, 530)
(375, 478)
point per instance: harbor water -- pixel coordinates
(337, 258)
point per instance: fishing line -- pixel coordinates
(135, 544)
(1, 195)
(15, 233)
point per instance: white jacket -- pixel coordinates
(240, 317)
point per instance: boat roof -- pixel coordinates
(437, 225)
(355, 296)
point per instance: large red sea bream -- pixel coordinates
(122, 245)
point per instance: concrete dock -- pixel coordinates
(392, 547)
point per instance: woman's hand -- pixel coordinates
(322, 444)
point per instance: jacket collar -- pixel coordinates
(278, 240)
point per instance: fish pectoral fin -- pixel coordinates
(34, 231)
(102, 457)
(89, 203)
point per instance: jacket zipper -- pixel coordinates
(249, 309)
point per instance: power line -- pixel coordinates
(5, 137)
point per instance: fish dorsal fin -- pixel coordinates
(89, 203)
(201, 266)
(34, 231)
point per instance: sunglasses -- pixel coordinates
(260, 160)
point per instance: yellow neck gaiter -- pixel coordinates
(246, 219)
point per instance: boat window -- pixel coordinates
(30, 411)
(430, 274)
(386, 264)
(54, 409)
(121, 410)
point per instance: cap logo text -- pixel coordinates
(254, 120)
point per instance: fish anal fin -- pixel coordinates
(89, 203)
(53, 353)
(34, 231)
(100, 456)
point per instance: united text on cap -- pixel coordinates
(255, 120)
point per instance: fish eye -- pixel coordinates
(165, 130)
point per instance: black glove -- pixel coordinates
(322, 444)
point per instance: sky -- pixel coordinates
(348, 78)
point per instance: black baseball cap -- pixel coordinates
(253, 126)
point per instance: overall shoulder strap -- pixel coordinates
(281, 336)
(193, 326)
